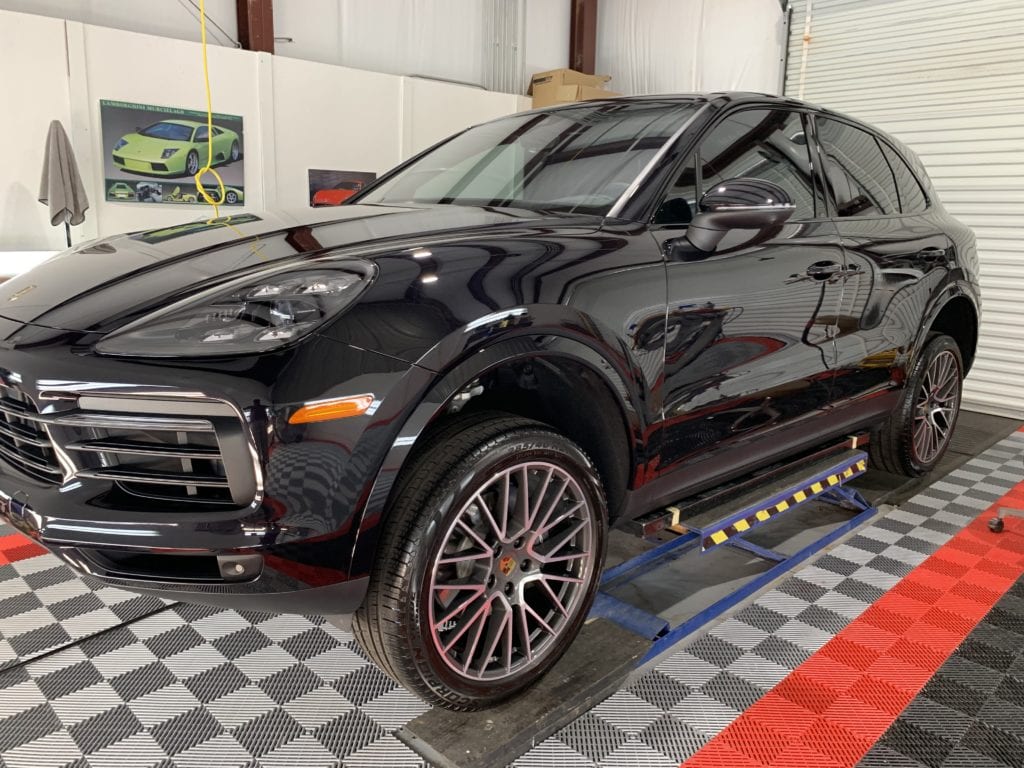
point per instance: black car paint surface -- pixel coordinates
(684, 369)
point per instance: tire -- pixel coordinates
(416, 627)
(230, 198)
(236, 152)
(915, 437)
(192, 163)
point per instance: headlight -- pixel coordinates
(167, 153)
(246, 316)
(120, 143)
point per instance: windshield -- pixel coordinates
(578, 159)
(169, 131)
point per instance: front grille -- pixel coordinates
(171, 459)
(174, 451)
(24, 441)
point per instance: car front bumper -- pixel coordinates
(282, 532)
(151, 165)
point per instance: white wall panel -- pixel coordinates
(297, 115)
(357, 123)
(31, 103)
(946, 77)
(166, 18)
(432, 38)
(433, 111)
(546, 35)
(678, 46)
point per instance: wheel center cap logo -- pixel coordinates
(506, 565)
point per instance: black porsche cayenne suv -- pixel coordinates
(425, 408)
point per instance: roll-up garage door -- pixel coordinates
(947, 78)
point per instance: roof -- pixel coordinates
(719, 97)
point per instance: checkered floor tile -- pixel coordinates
(672, 711)
(189, 685)
(196, 686)
(44, 606)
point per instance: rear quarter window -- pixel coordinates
(912, 196)
(856, 171)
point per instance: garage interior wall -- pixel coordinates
(297, 115)
(947, 78)
(681, 46)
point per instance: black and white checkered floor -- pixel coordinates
(93, 676)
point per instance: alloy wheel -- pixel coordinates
(512, 571)
(938, 401)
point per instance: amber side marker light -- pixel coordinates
(335, 408)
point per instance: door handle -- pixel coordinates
(823, 270)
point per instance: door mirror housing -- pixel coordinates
(742, 203)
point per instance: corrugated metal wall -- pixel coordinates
(946, 77)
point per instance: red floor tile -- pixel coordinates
(16, 547)
(859, 682)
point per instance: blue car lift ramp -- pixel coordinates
(704, 526)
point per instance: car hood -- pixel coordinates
(103, 284)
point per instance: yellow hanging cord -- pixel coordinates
(208, 168)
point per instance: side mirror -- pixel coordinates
(742, 203)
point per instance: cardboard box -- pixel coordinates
(564, 86)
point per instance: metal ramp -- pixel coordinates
(710, 523)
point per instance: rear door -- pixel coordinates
(749, 353)
(895, 256)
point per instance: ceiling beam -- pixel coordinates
(583, 36)
(255, 24)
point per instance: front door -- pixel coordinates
(749, 348)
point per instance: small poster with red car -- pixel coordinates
(335, 187)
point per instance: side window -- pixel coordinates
(201, 134)
(856, 170)
(768, 144)
(912, 197)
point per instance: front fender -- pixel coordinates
(472, 361)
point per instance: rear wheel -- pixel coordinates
(489, 564)
(916, 436)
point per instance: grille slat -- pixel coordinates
(19, 459)
(20, 435)
(131, 474)
(24, 441)
(131, 447)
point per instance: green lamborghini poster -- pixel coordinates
(152, 153)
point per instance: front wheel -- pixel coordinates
(914, 439)
(490, 560)
(192, 163)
